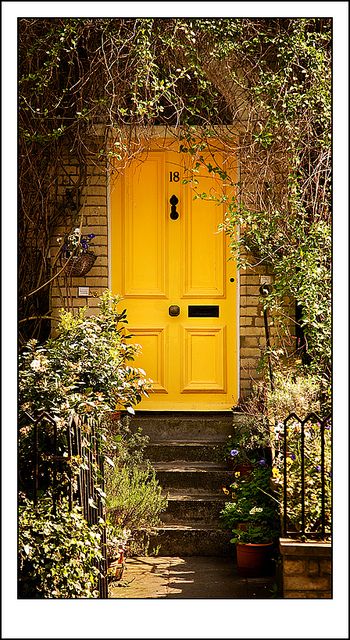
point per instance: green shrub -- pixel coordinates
(294, 392)
(134, 498)
(85, 368)
(125, 445)
(84, 371)
(58, 554)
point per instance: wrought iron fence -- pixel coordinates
(53, 472)
(307, 476)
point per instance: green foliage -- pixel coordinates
(268, 78)
(288, 226)
(84, 372)
(294, 392)
(312, 462)
(134, 499)
(252, 516)
(126, 445)
(57, 553)
(84, 369)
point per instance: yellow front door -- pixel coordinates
(170, 264)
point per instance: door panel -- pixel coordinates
(144, 246)
(204, 374)
(163, 256)
(153, 356)
(204, 259)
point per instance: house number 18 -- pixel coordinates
(174, 176)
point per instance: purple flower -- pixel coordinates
(318, 468)
(262, 462)
(292, 456)
(84, 244)
(91, 235)
(233, 453)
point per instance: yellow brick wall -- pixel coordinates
(94, 210)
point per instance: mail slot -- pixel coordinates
(203, 311)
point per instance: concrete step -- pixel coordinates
(202, 509)
(178, 450)
(202, 477)
(191, 539)
(184, 448)
(185, 426)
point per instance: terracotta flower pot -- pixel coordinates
(254, 559)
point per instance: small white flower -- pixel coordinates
(36, 365)
(256, 510)
(39, 364)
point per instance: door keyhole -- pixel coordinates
(173, 213)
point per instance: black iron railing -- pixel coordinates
(307, 476)
(54, 473)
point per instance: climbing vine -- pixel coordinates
(262, 87)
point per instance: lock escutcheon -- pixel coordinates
(174, 214)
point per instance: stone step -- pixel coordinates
(184, 448)
(202, 509)
(202, 477)
(190, 540)
(185, 426)
(178, 450)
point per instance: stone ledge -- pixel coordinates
(306, 583)
(290, 547)
(308, 594)
(307, 568)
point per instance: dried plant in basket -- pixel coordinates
(76, 250)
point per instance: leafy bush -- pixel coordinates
(125, 445)
(134, 498)
(84, 368)
(58, 554)
(293, 392)
(84, 371)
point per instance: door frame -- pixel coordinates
(166, 132)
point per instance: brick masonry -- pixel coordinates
(94, 208)
(306, 569)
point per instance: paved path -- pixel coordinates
(189, 577)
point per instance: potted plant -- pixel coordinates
(253, 519)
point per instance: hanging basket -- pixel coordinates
(80, 265)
